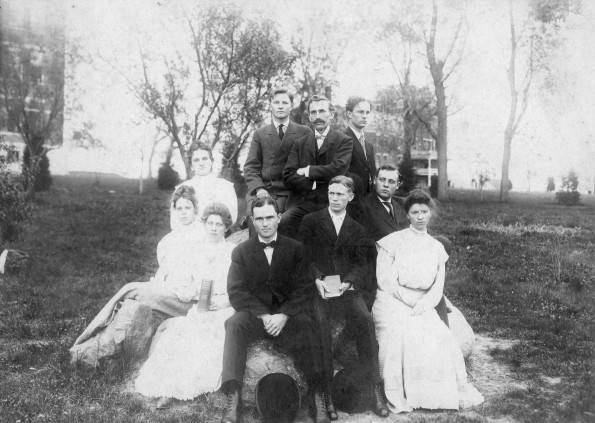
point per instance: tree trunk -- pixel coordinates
(441, 142)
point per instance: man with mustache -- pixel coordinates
(313, 161)
(363, 162)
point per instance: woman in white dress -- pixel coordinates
(208, 186)
(171, 291)
(420, 361)
(185, 356)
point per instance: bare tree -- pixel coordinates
(530, 46)
(410, 23)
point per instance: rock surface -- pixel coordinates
(264, 359)
(128, 335)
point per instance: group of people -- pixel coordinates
(329, 240)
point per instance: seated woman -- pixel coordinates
(185, 357)
(420, 361)
(173, 289)
(208, 186)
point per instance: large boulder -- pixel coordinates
(128, 335)
(460, 329)
(263, 359)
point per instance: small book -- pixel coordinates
(333, 282)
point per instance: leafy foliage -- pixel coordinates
(551, 185)
(407, 175)
(221, 92)
(14, 207)
(568, 195)
(167, 177)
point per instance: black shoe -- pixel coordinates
(232, 410)
(320, 413)
(380, 408)
(330, 407)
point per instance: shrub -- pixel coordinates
(568, 195)
(571, 198)
(42, 177)
(167, 177)
(407, 178)
(14, 207)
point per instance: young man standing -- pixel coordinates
(363, 159)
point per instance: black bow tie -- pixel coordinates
(270, 244)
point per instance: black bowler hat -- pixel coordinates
(278, 398)
(353, 391)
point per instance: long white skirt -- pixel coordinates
(186, 356)
(420, 360)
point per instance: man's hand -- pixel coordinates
(322, 288)
(261, 192)
(419, 308)
(302, 171)
(344, 287)
(275, 324)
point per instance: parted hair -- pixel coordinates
(316, 98)
(417, 196)
(264, 201)
(204, 147)
(354, 101)
(282, 90)
(185, 192)
(390, 168)
(346, 181)
(219, 209)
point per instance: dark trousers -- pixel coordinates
(299, 337)
(359, 323)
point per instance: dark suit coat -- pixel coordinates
(252, 282)
(363, 165)
(330, 254)
(267, 157)
(379, 223)
(334, 157)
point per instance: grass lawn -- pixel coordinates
(521, 271)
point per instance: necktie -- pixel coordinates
(361, 141)
(270, 244)
(281, 133)
(390, 208)
(319, 139)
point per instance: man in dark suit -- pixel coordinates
(335, 246)
(268, 152)
(269, 287)
(313, 161)
(363, 160)
(385, 215)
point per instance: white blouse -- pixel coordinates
(411, 267)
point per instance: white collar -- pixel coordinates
(270, 240)
(285, 123)
(325, 133)
(358, 134)
(337, 216)
(415, 231)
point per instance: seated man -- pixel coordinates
(268, 286)
(335, 246)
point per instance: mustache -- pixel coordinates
(319, 121)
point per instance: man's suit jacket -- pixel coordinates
(330, 254)
(363, 165)
(252, 283)
(379, 222)
(333, 159)
(267, 157)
